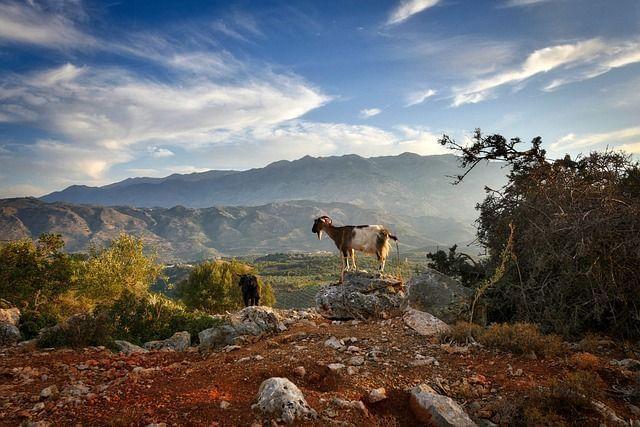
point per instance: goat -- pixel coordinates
(250, 289)
(370, 239)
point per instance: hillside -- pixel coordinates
(407, 184)
(184, 234)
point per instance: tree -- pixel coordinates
(457, 265)
(213, 287)
(33, 274)
(121, 267)
(576, 236)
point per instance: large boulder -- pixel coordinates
(282, 398)
(424, 323)
(9, 334)
(442, 296)
(10, 315)
(362, 296)
(253, 321)
(179, 341)
(434, 409)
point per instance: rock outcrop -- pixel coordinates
(434, 409)
(179, 341)
(442, 296)
(283, 399)
(362, 296)
(423, 323)
(252, 321)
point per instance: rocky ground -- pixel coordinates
(266, 367)
(95, 386)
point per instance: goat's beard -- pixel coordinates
(319, 234)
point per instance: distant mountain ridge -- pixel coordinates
(407, 184)
(187, 234)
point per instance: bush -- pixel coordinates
(460, 266)
(213, 287)
(518, 338)
(133, 318)
(33, 274)
(121, 267)
(572, 267)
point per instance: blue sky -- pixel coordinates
(94, 92)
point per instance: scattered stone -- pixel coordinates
(354, 349)
(442, 296)
(224, 404)
(254, 321)
(282, 398)
(300, 371)
(258, 357)
(10, 315)
(362, 296)
(76, 390)
(127, 348)
(350, 404)
(608, 414)
(38, 407)
(378, 394)
(230, 348)
(442, 411)
(356, 361)
(50, 392)
(334, 343)
(243, 359)
(627, 364)
(425, 361)
(9, 334)
(352, 370)
(424, 323)
(335, 367)
(180, 341)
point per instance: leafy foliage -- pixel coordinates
(573, 264)
(213, 287)
(457, 265)
(121, 267)
(33, 274)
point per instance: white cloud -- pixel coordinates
(408, 8)
(627, 139)
(42, 24)
(518, 3)
(159, 152)
(369, 112)
(21, 190)
(419, 97)
(595, 56)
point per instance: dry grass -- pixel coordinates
(518, 338)
(585, 361)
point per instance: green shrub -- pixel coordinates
(31, 322)
(213, 287)
(81, 330)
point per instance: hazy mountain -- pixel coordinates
(407, 184)
(181, 233)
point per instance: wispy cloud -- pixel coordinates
(159, 152)
(407, 8)
(40, 23)
(416, 98)
(595, 56)
(369, 112)
(627, 139)
(519, 3)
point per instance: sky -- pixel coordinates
(95, 92)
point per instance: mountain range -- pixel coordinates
(271, 209)
(407, 184)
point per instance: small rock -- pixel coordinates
(629, 364)
(352, 370)
(50, 392)
(9, 334)
(334, 343)
(127, 348)
(281, 397)
(224, 404)
(335, 367)
(350, 404)
(356, 361)
(230, 348)
(424, 323)
(38, 407)
(243, 359)
(258, 357)
(424, 362)
(300, 371)
(378, 394)
(442, 411)
(180, 341)
(354, 349)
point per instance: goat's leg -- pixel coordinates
(353, 259)
(342, 268)
(382, 262)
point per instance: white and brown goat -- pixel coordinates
(370, 239)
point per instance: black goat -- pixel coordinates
(250, 289)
